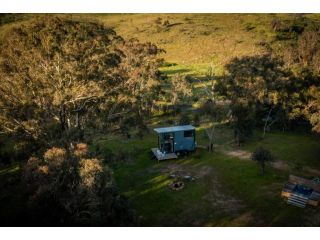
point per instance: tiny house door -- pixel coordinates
(168, 142)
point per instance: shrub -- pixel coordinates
(80, 191)
(55, 156)
(262, 156)
(81, 149)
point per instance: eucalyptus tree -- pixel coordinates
(60, 72)
(140, 87)
(53, 70)
(251, 83)
(181, 89)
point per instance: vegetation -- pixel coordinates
(262, 156)
(67, 187)
(79, 95)
(64, 85)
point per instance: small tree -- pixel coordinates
(262, 156)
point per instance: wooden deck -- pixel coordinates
(161, 157)
(297, 199)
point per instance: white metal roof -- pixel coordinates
(174, 129)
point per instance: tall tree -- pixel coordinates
(62, 72)
(52, 70)
(312, 108)
(303, 57)
(141, 86)
(251, 83)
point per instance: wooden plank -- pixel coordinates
(315, 196)
(304, 181)
(285, 194)
(313, 203)
(163, 157)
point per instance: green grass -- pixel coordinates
(292, 147)
(146, 183)
(193, 41)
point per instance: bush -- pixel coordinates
(67, 187)
(262, 156)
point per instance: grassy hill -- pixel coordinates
(194, 41)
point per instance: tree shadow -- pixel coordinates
(175, 71)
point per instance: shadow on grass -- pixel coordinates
(175, 71)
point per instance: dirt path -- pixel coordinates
(278, 164)
(242, 154)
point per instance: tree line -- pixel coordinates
(278, 87)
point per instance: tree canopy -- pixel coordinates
(59, 71)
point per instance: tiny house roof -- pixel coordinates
(174, 129)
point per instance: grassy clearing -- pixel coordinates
(296, 149)
(228, 191)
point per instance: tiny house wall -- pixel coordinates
(182, 143)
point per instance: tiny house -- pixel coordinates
(174, 141)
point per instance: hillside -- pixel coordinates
(194, 41)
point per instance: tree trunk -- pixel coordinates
(237, 137)
(262, 168)
(62, 118)
(210, 134)
(68, 123)
(266, 124)
(77, 120)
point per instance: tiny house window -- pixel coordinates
(188, 133)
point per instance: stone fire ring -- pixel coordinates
(177, 185)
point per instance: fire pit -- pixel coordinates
(177, 185)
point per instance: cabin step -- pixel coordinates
(298, 197)
(297, 200)
(315, 196)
